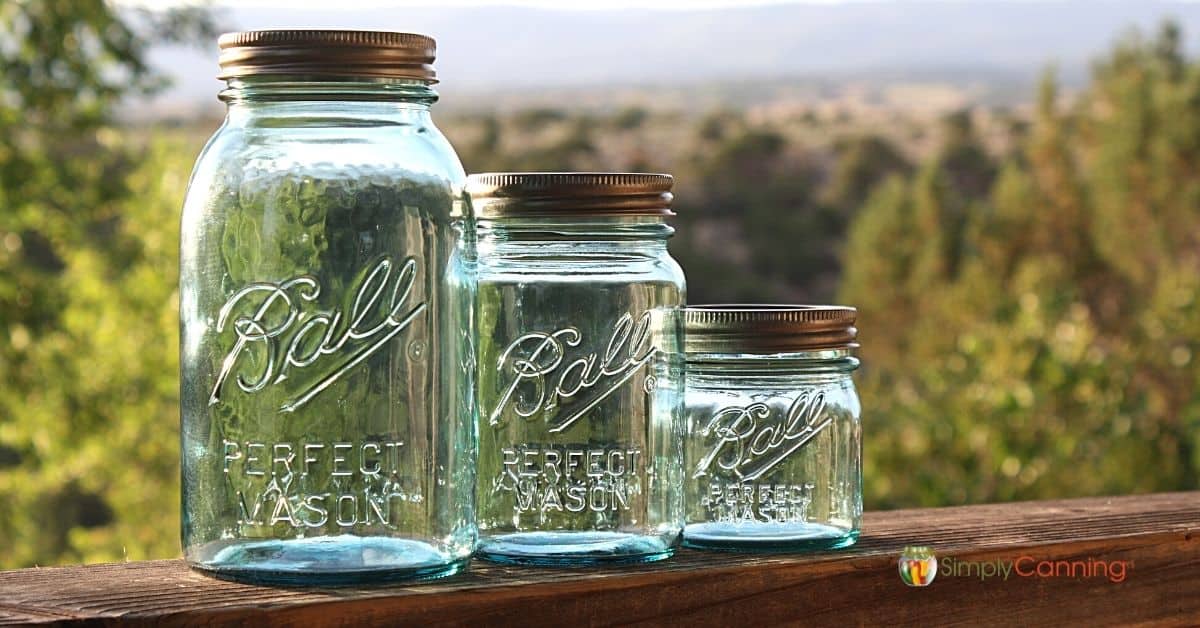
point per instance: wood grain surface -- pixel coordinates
(1159, 536)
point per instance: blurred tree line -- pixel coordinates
(1031, 323)
(89, 443)
(1028, 308)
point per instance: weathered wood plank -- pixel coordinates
(1160, 534)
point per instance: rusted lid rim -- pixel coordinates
(753, 328)
(550, 194)
(327, 53)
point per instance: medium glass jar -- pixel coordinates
(773, 445)
(326, 299)
(580, 368)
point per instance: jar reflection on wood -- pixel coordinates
(325, 307)
(580, 368)
(773, 441)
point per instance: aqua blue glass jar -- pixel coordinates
(773, 440)
(326, 302)
(580, 368)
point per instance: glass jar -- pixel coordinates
(326, 298)
(773, 445)
(580, 368)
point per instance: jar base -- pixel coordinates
(767, 537)
(326, 561)
(569, 549)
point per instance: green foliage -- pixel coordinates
(532, 119)
(630, 118)
(757, 228)
(1034, 336)
(89, 409)
(88, 324)
(864, 162)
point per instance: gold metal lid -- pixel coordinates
(560, 194)
(740, 328)
(369, 54)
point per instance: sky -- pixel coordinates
(518, 46)
(583, 5)
(579, 5)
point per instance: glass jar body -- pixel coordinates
(580, 392)
(772, 451)
(326, 301)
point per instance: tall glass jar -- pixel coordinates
(326, 302)
(580, 368)
(773, 445)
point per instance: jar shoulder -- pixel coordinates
(240, 159)
(717, 377)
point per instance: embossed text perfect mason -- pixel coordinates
(326, 312)
(773, 442)
(580, 362)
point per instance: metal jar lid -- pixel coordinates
(737, 328)
(332, 53)
(562, 194)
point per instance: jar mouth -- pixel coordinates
(574, 229)
(767, 329)
(830, 354)
(830, 361)
(288, 88)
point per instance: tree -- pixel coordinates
(862, 163)
(86, 287)
(1036, 328)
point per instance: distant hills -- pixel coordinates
(515, 50)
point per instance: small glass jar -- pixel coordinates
(326, 299)
(580, 368)
(773, 444)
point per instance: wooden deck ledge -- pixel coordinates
(1155, 539)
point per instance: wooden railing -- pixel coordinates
(1153, 539)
